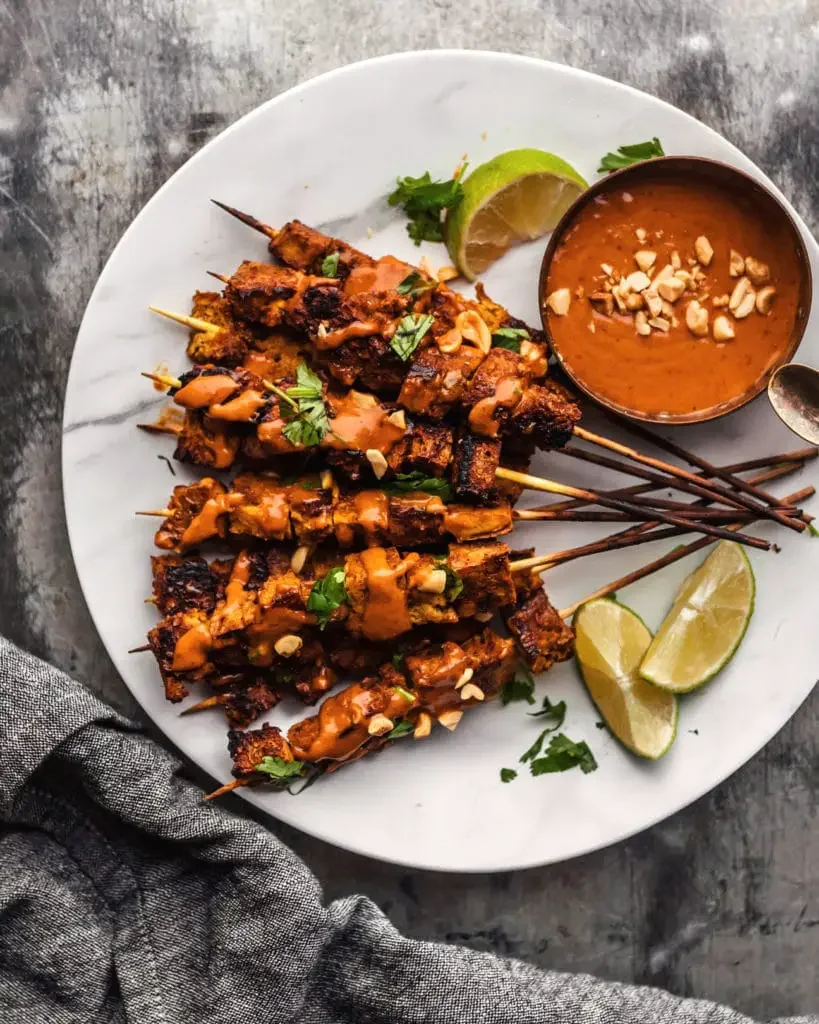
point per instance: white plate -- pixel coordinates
(327, 152)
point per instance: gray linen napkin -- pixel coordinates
(124, 897)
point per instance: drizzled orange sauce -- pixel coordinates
(192, 648)
(373, 513)
(206, 524)
(273, 624)
(260, 363)
(360, 422)
(357, 329)
(239, 409)
(482, 419)
(203, 391)
(342, 724)
(385, 611)
(382, 276)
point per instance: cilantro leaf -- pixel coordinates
(404, 728)
(507, 774)
(329, 265)
(519, 689)
(405, 483)
(302, 406)
(416, 284)
(409, 697)
(628, 155)
(454, 583)
(278, 768)
(327, 594)
(563, 754)
(398, 658)
(552, 712)
(424, 201)
(509, 338)
(411, 329)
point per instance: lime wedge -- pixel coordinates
(611, 642)
(514, 197)
(706, 623)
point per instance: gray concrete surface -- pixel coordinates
(100, 101)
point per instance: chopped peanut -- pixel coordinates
(696, 318)
(741, 289)
(645, 259)
(638, 281)
(723, 329)
(660, 324)
(758, 272)
(642, 325)
(736, 264)
(559, 301)
(764, 299)
(653, 301)
(704, 250)
(746, 306)
(377, 461)
(672, 288)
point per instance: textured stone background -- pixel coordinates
(100, 101)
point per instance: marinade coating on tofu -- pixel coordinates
(488, 581)
(204, 442)
(186, 503)
(163, 639)
(541, 635)
(474, 465)
(248, 749)
(184, 584)
(227, 347)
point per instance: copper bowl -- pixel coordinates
(710, 172)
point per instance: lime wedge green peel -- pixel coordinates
(514, 197)
(706, 624)
(611, 642)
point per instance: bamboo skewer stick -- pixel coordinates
(698, 461)
(552, 487)
(721, 492)
(660, 480)
(246, 218)
(161, 428)
(193, 322)
(776, 461)
(164, 379)
(209, 702)
(227, 788)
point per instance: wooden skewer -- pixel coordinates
(139, 650)
(698, 461)
(661, 480)
(164, 379)
(637, 574)
(227, 788)
(787, 462)
(246, 218)
(164, 512)
(162, 428)
(219, 277)
(210, 702)
(188, 321)
(552, 487)
(723, 493)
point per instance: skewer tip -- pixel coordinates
(139, 650)
(163, 512)
(193, 322)
(164, 379)
(227, 788)
(203, 705)
(246, 218)
(219, 277)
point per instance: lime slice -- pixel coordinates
(706, 623)
(514, 197)
(611, 642)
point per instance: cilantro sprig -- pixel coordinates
(563, 754)
(510, 338)
(404, 728)
(304, 409)
(327, 594)
(278, 768)
(424, 201)
(555, 713)
(406, 483)
(329, 265)
(628, 155)
(519, 688)
(454, 583)
(508, 774)
(411, 329)
(416, 285)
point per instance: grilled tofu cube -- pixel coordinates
(186, 503)
(486, 576)
(473, 468)
(184, 584)
(203, 443)
(437, 381)
(229, 346)
(541, 635)
(468, 522)
(247, 749)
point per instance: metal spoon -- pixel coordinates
(793, 391)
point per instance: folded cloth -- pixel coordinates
(124, 897)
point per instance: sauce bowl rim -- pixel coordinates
(802, 313)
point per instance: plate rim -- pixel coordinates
(260, 801)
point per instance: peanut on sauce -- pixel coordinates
(679, 345)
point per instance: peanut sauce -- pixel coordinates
(383, 276)
(385, 610)
(673, 373)
(272, 625)
(204, 391)
(373, 513)
(357, 329)
(239, 409)
(273, 514)
(482, 415)
(192, 648)
(260, 363)
(270, 433)
(223, 448)
(342, 724)
(435, 678)
(361, 422)
(206, 524)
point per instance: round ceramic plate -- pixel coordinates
(328, 152)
